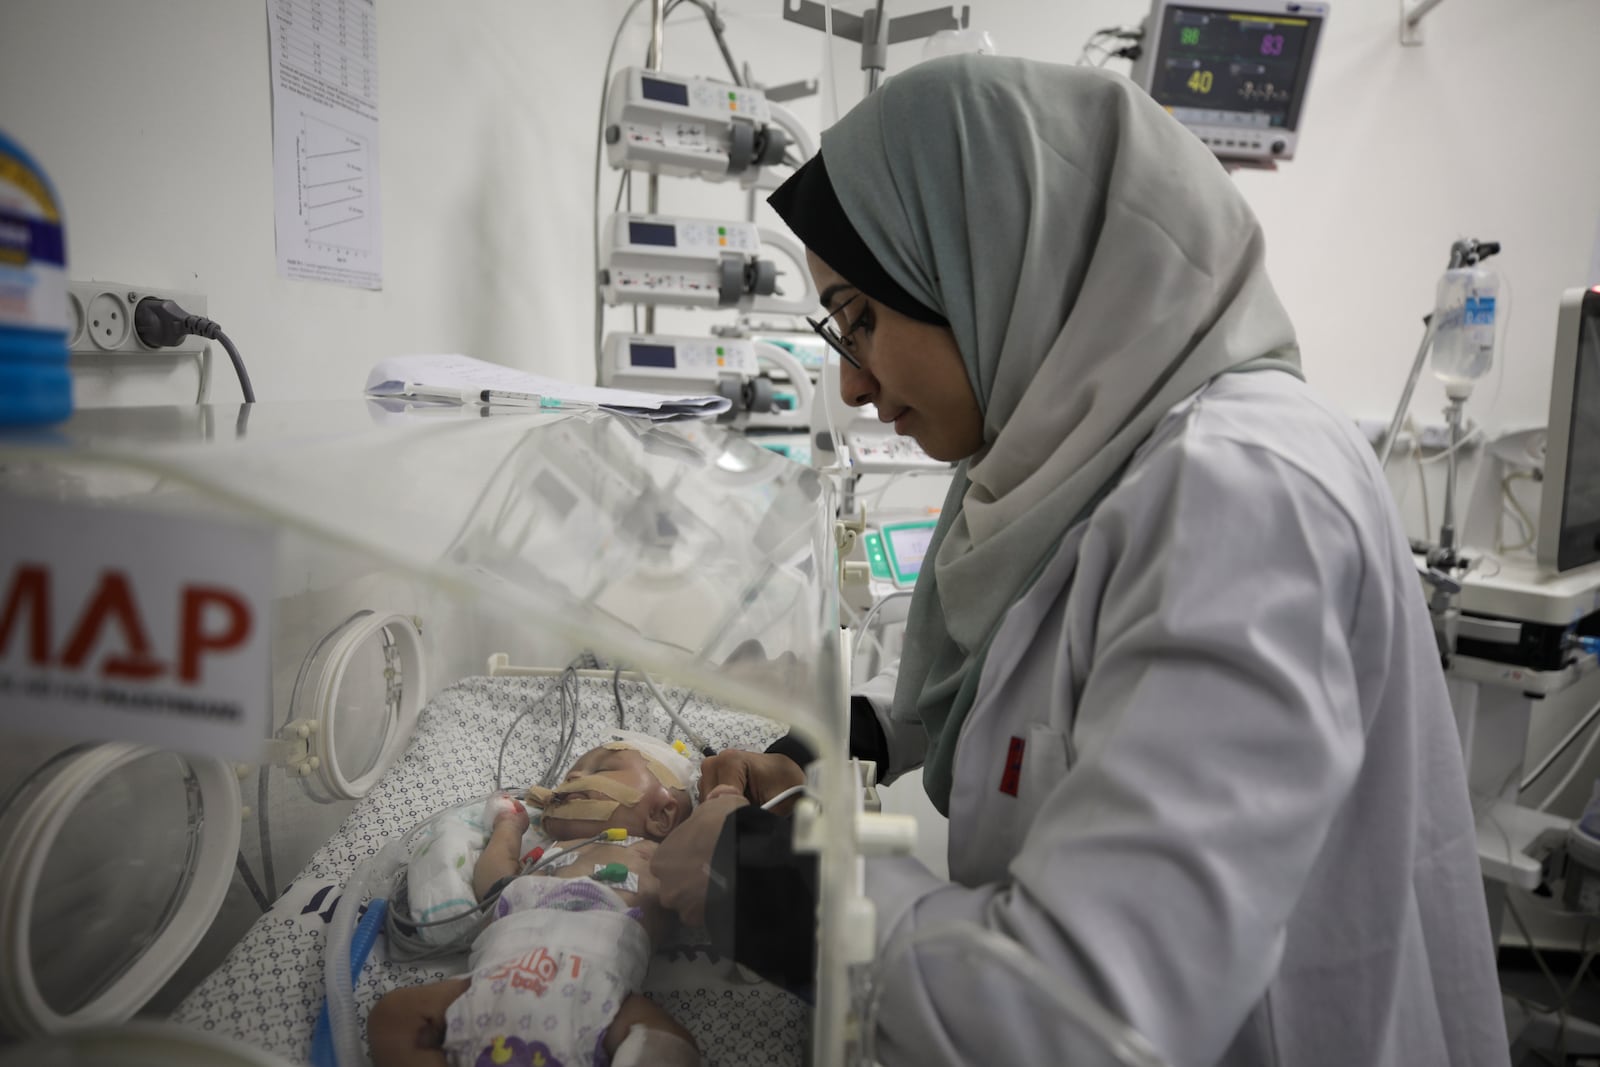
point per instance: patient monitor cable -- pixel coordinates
(793, 790)
(164, 323)
(677, 720)
(401, 932)
(566, 730)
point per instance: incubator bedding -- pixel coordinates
(269, 990)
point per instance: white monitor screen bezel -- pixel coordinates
(1144, 73)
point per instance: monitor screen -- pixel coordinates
(653, 233)
(665, 92)
(1227, 67)
(653, 355)
(907, 546)
(1580, 497)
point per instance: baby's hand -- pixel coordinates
(502, 807)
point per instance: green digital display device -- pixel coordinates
(904, 544)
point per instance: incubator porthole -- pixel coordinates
(363, 686)
(112, 869)
(137, 833)
(366, 717)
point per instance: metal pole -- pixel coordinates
(1447, 531)
(658, 26)
(877, 49)
(1387, 445)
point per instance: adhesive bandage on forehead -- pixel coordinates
(668, 763)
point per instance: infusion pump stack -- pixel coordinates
(1234, 73)
(674, 126)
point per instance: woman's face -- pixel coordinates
(911, 371)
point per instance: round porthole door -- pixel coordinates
(115, 859)
(359, 693)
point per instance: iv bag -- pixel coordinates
(1464, 325)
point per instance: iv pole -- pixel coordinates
(1441, 561)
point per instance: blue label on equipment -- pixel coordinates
(1479, 311)
(25, 240)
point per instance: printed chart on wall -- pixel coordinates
(325, 140)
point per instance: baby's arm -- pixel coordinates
(502, 853)
(406, 1027)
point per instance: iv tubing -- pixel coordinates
(366, 937)
(374, 871)
(338, 975)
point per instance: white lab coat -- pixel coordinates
(1241, 820)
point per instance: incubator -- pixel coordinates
(417, 606)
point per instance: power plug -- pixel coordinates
(103, 318)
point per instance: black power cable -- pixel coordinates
(164, 323)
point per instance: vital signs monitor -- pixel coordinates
(1569, 516)
(1234, 73)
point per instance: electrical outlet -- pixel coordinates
(102, 318)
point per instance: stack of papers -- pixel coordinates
(464, 380)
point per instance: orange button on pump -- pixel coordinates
(722, 240)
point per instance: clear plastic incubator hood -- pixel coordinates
(249, 655)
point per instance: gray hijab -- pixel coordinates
(1096, 265)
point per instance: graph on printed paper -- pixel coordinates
(335, 186)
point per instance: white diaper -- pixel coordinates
(548, 976)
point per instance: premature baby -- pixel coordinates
(555, 975)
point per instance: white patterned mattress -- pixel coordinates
(269, 990)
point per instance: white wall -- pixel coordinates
(154, 119)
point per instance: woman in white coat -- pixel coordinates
(1168, 669)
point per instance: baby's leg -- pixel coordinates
(406, 1027)
(675, 1046)
(502, 853)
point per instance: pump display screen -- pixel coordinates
(908, 545)
(652, 233)
(653, 355)
(1580, 511)
(665, 92)
(1235, 68)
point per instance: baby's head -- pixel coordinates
(633, 781)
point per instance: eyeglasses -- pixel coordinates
(830, 333)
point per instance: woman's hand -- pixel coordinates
(758, 776)
(682, 863)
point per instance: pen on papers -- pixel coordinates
(533, 400)
(418, 391)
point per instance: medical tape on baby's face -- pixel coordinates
(582, 810)
(559, 804)
(657, 768)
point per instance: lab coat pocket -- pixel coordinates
(1046, 759)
